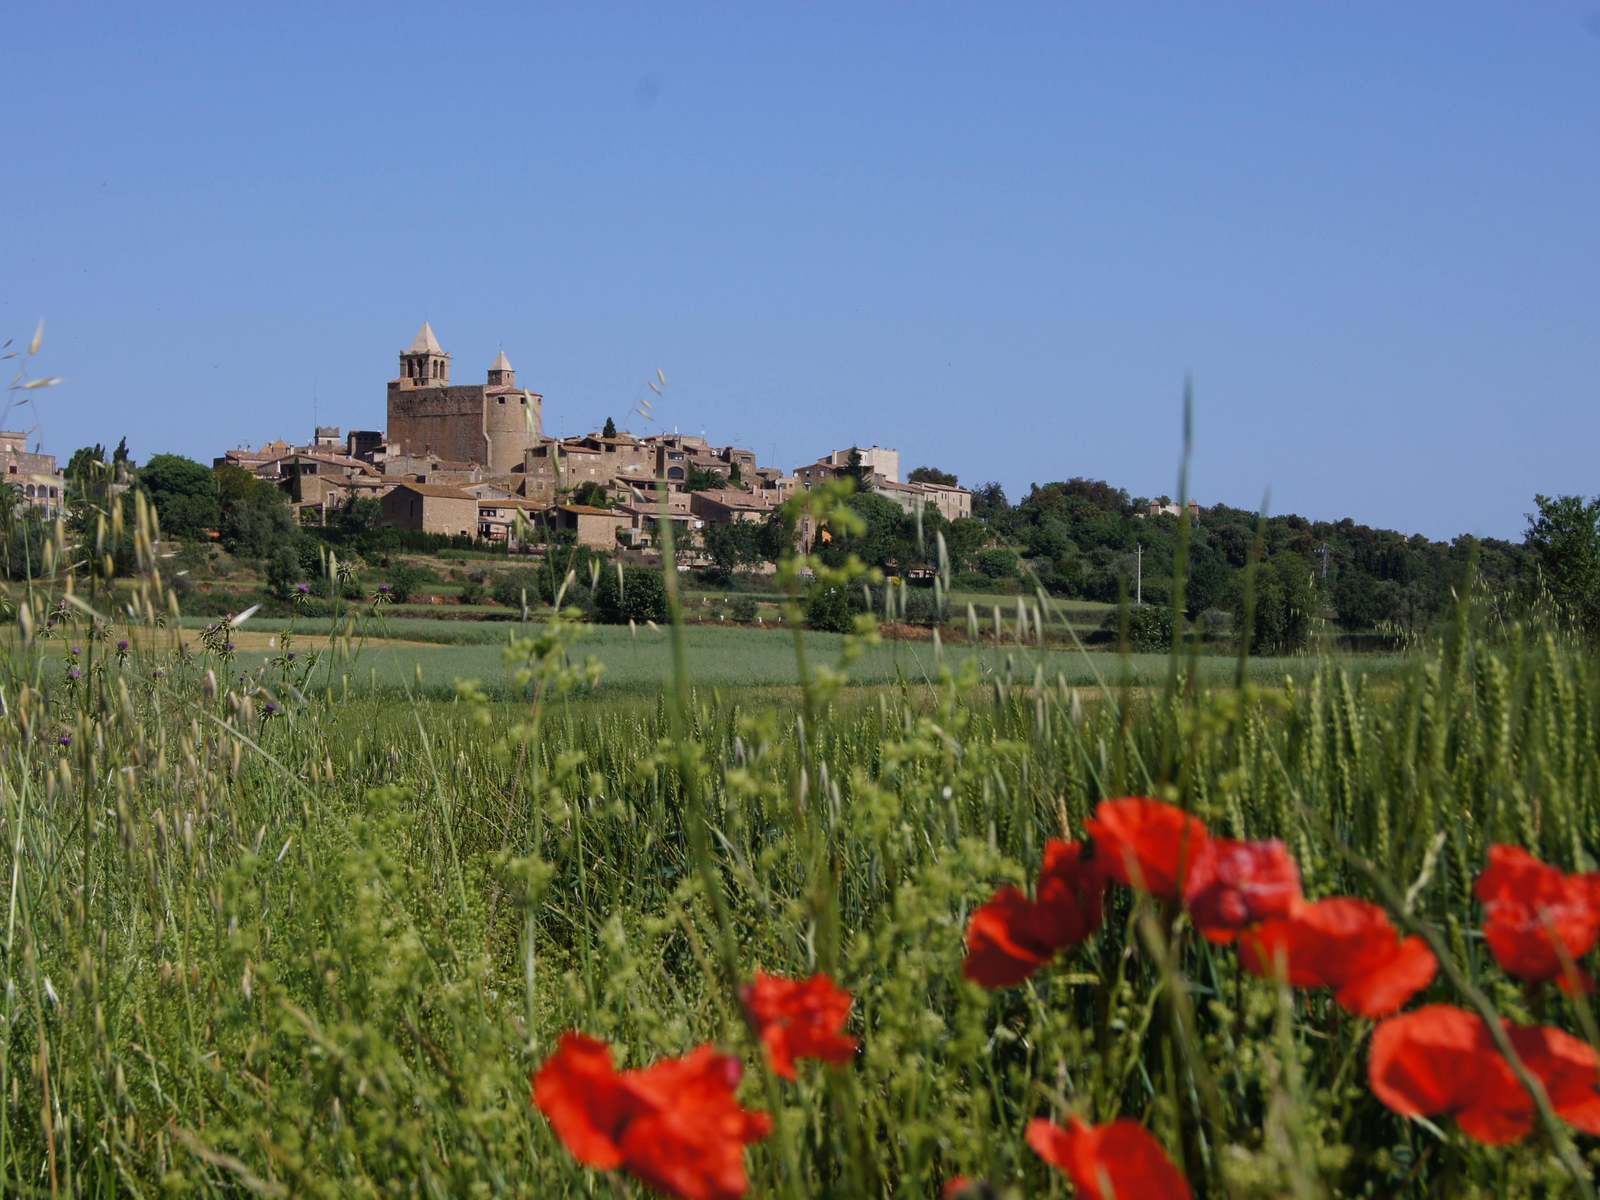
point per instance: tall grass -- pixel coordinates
(264, 939)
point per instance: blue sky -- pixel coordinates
(995, 236)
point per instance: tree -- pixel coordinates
(857, 470)
(931, 475)
(997, 562)
(733, 544)
(358, 517)
(640, 595)
(1284, 604)
(989, 505)
(698, 479)
(184, 493)
(255, 517)
(610, 430)
(591, 494)
(1564, 539)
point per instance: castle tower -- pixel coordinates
(489, 424)
(501, 373)
(425, 364)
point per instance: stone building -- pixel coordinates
(592, 527)
(878, 459)
(33, 474)
(431, 508)
(492, 424)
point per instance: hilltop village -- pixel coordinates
(472, 460)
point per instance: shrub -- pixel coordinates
(472, 590)
(282, 570)
(833, 609)
(743, 609)
(997, 562)
(515, 588)
(641, 596)
(403, 581)
(1149, 627)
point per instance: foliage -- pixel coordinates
(592, 494)
(1281, 604)
(997, 562)
(701, 479)
(402, 580)
(610, 429)
(255, 517)
(1564, 539)
(629, 594)
(184, 492)
(833, 609)
(734, 544)
(283, 571)
(931, 475)
(369, 920)
(513, 589)
(1143, 627)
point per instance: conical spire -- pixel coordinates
(425, 342)
(501, 362)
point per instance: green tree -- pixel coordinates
(255, 515)
(1564, 540)
(931, 475)
(357, 518)
(591, 494)
(1285, 603)
(610, 430)
(856, 469)
(698, 479)
(997, 562)
(733, 544)
(640, 596)
(184, 493)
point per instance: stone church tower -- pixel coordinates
(491, 424)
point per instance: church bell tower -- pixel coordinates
(425, 364)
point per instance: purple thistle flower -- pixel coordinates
(76, 651)
(122, 644)
(64, 740)
(271, 707)
(303, 588)
(383, 589)
(73, 673)
(290, 656)
(229, 647)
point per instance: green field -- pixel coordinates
(640, 659)
(307, 926)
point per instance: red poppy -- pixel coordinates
(1344, 944)
(1120, 1159)
(1528, 906)
(1442, 1061)
(800, 1019)
(960, 1187)
(1235, 885)
(674, 1124)
(1147, 844)
(1011, 937)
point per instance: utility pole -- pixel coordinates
(1138, 574)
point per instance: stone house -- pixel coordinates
(431, 508)
(878, 459)
(719, 506)
(593, 527)
(32, 473)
